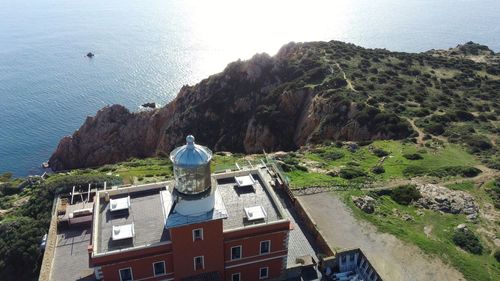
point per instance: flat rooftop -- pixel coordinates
(71, 260)
(145, 212)
(237, 198)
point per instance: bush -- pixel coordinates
(413, 156)
(9, 189)
(332, 155)
(378, 170)
(468, 241)
(301, 168)
(351, 173)
(380, 152)
(19, 250)
(414, 171)
(6, 176)
(497, 255)
(448, 171)
(405, 194)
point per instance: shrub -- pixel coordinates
(378, 170)
(414, 171)
(448, 171)
(413, 156)
(332, 155)
(405, 194)
(6, 176)
(468, 241)
(9, 189)
(351, 173)
(497, 255)
(380, 152)
(478, 143)
(365, 143)
(301, 168)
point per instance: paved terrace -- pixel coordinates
(145, 212)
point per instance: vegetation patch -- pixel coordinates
(467, 240)
(441, 172)
(380, 152)
(351, 172)
(405, 194)
(413, 156)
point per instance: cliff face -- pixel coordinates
(308, 92)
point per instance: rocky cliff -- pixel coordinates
(308, 92)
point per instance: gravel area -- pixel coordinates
(393, 258)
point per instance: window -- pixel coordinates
(236, 252)
(198, 234)
(236, 277)
(126, 274)
(159, 268)
(264, 272)
(199, 263)
(265, 247)
(351, 258)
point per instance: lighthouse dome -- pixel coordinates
(191, 167)
(190, 154)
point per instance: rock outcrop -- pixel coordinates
(440, 198)
(265, 103)
(365, 203)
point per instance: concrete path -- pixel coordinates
(394, 260)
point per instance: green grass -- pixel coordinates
(303, 179)
(434, 157)
(439, 243)
(464, 186)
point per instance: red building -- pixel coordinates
(202, 226)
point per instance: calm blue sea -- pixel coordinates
(145, 50)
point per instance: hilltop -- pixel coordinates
(309, 93)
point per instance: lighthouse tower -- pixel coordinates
(193, 183)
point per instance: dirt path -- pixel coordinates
(349, 83)
(393, 259)
(420, 138)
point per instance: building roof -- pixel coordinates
(145, 213)
(237, 198)
(152, 207)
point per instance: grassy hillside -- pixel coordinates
(432, 161)
(323, 165)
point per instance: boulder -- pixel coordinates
(442, 199)
(407, 217)
(365, 203)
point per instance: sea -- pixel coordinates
(146, 50)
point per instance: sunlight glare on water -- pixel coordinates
(146, 50)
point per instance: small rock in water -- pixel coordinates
(149, 105)
(90, 55)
